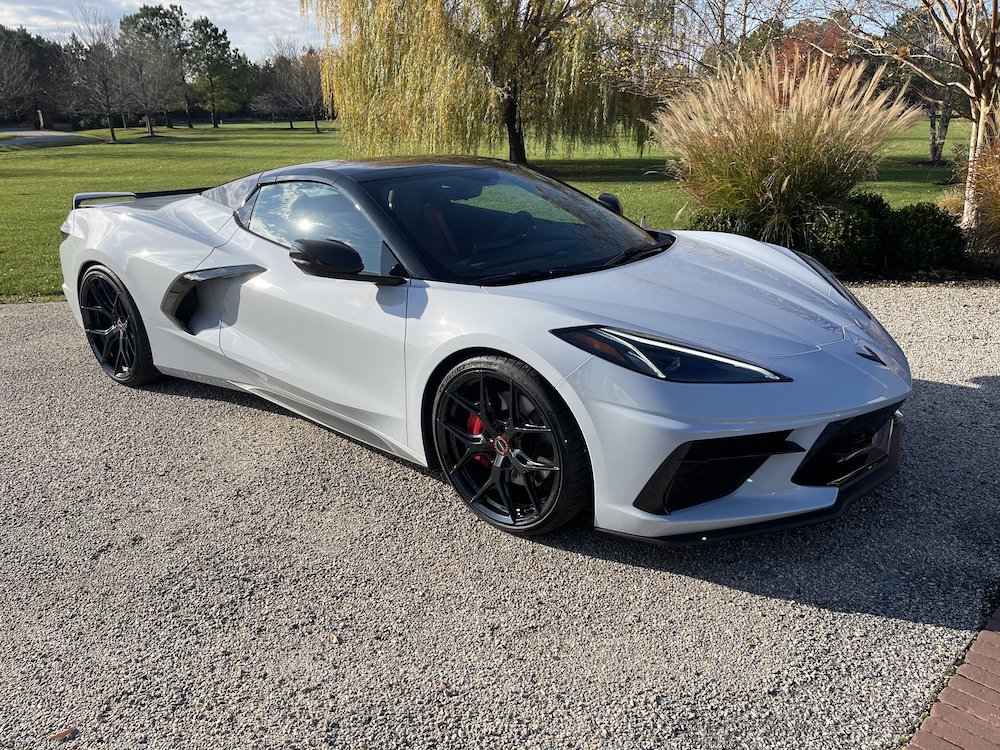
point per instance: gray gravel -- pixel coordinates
(188, 567)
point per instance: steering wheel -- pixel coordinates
(517, 228)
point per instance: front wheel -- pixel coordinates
(510, 446)
(114, 329)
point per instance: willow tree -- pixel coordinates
(451, 75)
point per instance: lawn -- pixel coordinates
(36, 185)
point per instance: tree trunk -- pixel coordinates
(977, 140)
(149, 125)
(515, 132)
(215, 116)
(111, 127)
(315, 122)
(187, 111)
(124, 123)
(933, 152)
(291, 123)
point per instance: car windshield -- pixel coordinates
(487, 225)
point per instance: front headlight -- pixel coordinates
(663, 359)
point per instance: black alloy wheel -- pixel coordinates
(509, 446)
(114, 329)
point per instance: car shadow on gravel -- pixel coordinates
(924, 547)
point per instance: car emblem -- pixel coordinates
(868, 353)
(501, 446)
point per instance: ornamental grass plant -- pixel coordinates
(781, 142)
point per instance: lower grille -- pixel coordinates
(846, 449)
(704, 470)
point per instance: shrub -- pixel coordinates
(920, 237)
(843, 239)
(873, 204)
(724, 220)
(952, 201)
(987, 191)
(780, 141)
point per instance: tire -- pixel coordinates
(114, 329)
(524, 470)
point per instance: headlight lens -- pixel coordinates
(663, 359)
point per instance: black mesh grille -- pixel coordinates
(704, 470)
(847, 448)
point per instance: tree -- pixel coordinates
(95, 68)
(292, 83)
(151, 75)
(964, 44)
(165, 29)
(213, 63)
(16, 77)
(448, 76)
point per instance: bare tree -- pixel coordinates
(95, 63)
(15, 76)
(151, 76)
(961, 54)
(294, 83)
(657, 46)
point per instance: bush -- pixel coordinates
(778, 141)
(724, 220)
(843, 239)
(987, 190)
(863, 233)
(873, 204)
(920, 237)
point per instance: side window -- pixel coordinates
(289, 211)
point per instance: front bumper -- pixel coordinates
(634, 424)
(857, 486)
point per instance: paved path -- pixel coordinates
(187, 567)
(966, 715)
(24, 137)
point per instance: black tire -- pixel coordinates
(523, 469)
(114, 329)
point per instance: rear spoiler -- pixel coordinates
(80, 198)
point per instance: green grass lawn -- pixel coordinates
(36, 185)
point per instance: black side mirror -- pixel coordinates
(333, 259)
(328, 258)
(611, 201)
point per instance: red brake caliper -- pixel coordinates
(475, 427)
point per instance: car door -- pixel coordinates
(331, 349)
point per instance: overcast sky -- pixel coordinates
(251, 23)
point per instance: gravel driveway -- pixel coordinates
(186, 567)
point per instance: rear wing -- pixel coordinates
(80, 198)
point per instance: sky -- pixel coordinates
(251, 24)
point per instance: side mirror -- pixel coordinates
(328, 258)
(611, 201)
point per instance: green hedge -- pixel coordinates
(863, 234)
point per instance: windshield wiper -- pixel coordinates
(641, 251)
(516, 277)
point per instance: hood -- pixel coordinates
(720, 291)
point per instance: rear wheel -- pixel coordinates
(510, 446)
(114, 329)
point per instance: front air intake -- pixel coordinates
(704, 470)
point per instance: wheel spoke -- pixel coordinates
(469, 454)
(102, 332)
(532, 429)
(525, 464)
(486, 408)
(532, 490)
(463, 402)
(513, 408)
(463, 437)
(508, 501)
(118, 356)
